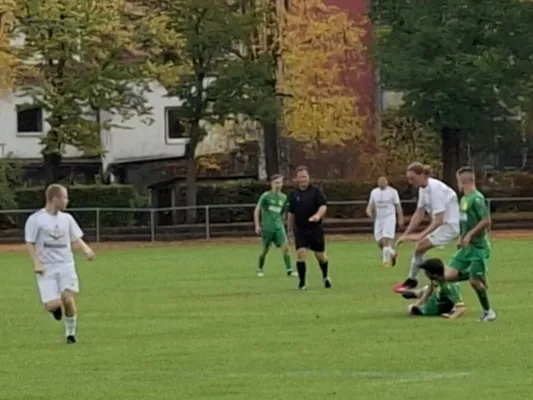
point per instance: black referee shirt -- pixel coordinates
(304, 204)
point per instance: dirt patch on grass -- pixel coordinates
(509, 234)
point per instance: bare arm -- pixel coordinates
(290, 222)
(257, 216)
(399, 213)
(415, 220)
(30, 247)
(321, 212)
(370, 207)
(424, 297)
(80, 244)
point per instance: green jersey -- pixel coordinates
(473, 209)
(446, 291)
(273, 207)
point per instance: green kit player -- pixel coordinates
(440, 298)
(269, 215)
(470, 262)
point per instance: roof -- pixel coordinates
(144, 159)
(171, 181)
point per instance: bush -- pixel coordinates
(103, 196)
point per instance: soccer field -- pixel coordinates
(193, 322)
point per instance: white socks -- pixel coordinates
(416, 260)
(70, 326)
(387, 253)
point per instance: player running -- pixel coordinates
(49, 234)
(383, 206)
(471, 260)
(439, 298)
(439, 201)
(269, 216)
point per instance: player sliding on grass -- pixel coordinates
(439, 298)
(440, 202)
(471, 260)
(49, 235)
(269, 215)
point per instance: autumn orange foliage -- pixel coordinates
(319, 47)
(8, 62)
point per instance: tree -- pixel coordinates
(320, 49)
(10, 66)
(195, 45)
(78, 49)
(463, 66)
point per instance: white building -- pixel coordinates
(141, 138)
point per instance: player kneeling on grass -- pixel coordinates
(269, 215)
(439, 298)
(49, 235)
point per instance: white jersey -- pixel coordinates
(436, 198)
(384, 202)
(53, 236)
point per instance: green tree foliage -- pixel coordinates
(464, 66)
(78, 48)
(198, 52)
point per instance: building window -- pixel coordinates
(175, 129)
(29, 119)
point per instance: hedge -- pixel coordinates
(238, 192)
(108, 196)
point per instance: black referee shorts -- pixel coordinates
(312, 239)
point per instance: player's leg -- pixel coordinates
(458, 267)
(388, 233)
(280, 240)
(417, 258)
(48, 285)
(301, 244)
(440, 237)
(478, 281)
(317, 244)
(267, 239)
(69, 286)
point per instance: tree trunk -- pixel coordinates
(450, 154)
(191, 183)
(271, 142)
(261, 157)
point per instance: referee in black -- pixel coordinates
(307, 207)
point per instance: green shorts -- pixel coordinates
(434, 307)
(277, 237)
(471, 263)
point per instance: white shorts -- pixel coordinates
(444, 234)
(55, 280)
(384, 229)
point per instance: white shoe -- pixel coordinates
(292, 273)
(260, 274)
(488, 316)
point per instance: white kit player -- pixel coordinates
(383, 207)
(441, 203)
(49, 235)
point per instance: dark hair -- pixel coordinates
(433, 266)
(275, 176)
(419, 168)
(302, 168)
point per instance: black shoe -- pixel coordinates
(409, 295)
(71, 340)
(327, 282)
(57, 313)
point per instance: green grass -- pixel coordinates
(195, 323)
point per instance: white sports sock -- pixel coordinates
(416, 260)
(388, 252)
(70, 326)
